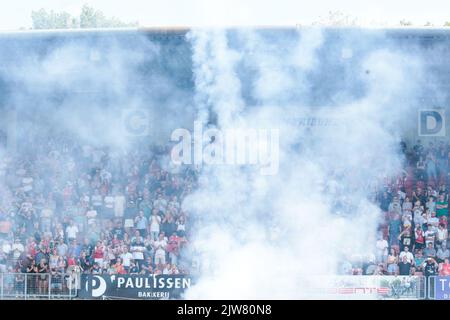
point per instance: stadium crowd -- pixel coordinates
(413, 237)
(67, 207)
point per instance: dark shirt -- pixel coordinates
(404, 268)
(119, 232)
(88, 248)
(134, 269)
(394, 226)
(430, 269)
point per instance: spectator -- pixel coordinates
(159, 247)
(429, 251)
(181, 228)
(442, 253)
(392, 261)
(419, 237)
(54, 258)
(385, 201)
(430, 267)
(394, 230)
(17, 249)
(137, 249)
(147, 266)
(395, 206)
(430, 165)
(42, 280)
(119, 205)
(119, 268)
(71, 231)
(155, 221)
(444, 268)
(96, 269)
(430, 236)
(431, 205)
(3, 262)
(406, 253)
(99, 253)
(134, 270)
(419, 259)
(126, 258)
(441, 207)
(441, 235)
(61, 248)
(405, 238)
(141, 223)
(407, 206)
(85, 262)
(404, 267)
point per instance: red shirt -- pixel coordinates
(32, 249)
(98, 253)
(445, 271)
(419, 237)
(119, 269)
(71, 262)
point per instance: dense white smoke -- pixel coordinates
(257, 236)
(86, 85)
(265, 237)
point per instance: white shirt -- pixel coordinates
(154, 224)
(429, 236)
(139, 254)
(441, 234)
(382, 246)
(17, 248)
(160, 204)
(126, 259)
(419, 219)
(119, 205)
(160, 246)
(97, 200)
(434, 221)
(409, 256)
(109, 202)
(72, 231)
(6, 248)
(91, 213)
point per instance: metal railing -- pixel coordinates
(48, 286)
(27, 286)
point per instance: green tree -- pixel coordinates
(337, 19)
(51, 20)
(88, 18)
(405, 23)
(447, 24)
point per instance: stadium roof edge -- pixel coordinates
(410, 31)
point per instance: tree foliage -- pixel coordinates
(88, 18)
(406, 23)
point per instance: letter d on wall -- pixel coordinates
(432, 122)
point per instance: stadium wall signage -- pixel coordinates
(432, 123)
(442, 288)
(133, 286)
(370, 287)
